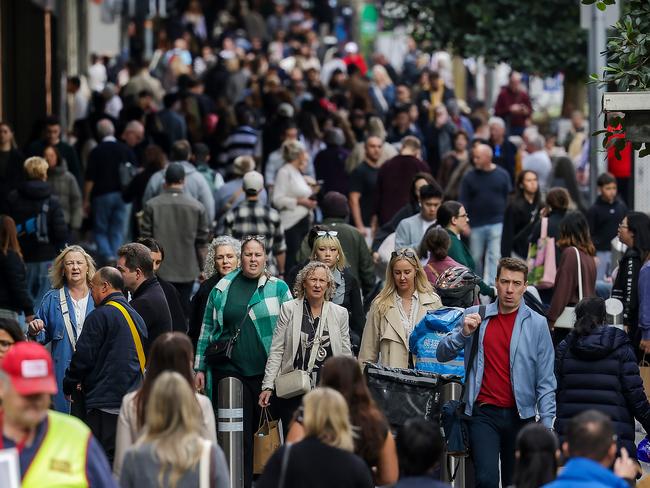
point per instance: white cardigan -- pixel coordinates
(290, 185)
(128, 432)
(286, 337)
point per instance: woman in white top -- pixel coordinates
(62, 312)
(292, 196)
(309, 330)
(171, 351)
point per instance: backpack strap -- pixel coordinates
(134, 332)
(432, 269)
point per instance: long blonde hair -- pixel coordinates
(327, 418)
(173, 426)
(57, 276)
(384, 299)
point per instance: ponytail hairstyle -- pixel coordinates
(590, 313)
(536, 457)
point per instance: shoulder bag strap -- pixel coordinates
(231, 201)
(285, 465)
(579, 274)
(544, 230)
(134, 332)
(204, 466)
(432, 269)
(315, 346)
(248, 309)
(63, 301)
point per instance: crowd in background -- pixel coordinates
(258, 200)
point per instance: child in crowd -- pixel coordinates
(604, 216)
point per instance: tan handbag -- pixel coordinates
(567, 318)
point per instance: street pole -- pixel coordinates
(230, 427)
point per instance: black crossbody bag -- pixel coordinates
(220, 352)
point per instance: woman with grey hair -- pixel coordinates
(222, 258)
(292, 196)
(309, 330)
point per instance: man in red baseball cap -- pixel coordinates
(54, 449)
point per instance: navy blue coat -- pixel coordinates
(105, 362)
(599, 371)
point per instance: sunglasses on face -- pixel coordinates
(404, 253)
(328, 233)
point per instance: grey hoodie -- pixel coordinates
(195, 186)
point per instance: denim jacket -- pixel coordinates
(531, 362)
(56, 333)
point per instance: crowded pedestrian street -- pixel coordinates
(324, 244)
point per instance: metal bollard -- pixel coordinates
(452, 464)
(230, 427)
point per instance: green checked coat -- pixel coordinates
(264, 307)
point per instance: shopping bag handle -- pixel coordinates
(265, 417)
(644, 362)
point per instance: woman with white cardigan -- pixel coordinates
(307, 322)
(292, 196)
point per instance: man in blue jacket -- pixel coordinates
(511, 380)
(591, 447)
(109, 360)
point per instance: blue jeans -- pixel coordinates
(109, 214)
(492, 434)
(486, 241)
(38, 280)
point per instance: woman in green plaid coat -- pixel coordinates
(243, 308)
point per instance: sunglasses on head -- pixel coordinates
(257, 238)
(328, 233)
(404, 253)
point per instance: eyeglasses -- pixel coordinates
(4, 345)
(403, 253)
(463, 216)
(621, 226)
(258, 238)
(328, 233)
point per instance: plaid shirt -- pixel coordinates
(254, 218)
(264, 310)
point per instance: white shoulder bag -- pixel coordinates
(298, 381)
(204, 464)
(567, 319)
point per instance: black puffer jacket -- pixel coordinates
(25, 203)
(599, 371)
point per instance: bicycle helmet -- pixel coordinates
(456, 287)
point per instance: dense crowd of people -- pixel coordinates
(263, 203)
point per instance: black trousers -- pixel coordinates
(252, 412)
(285, 410)
(103, 425)
(293, 236)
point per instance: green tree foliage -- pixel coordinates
(628, 58)
(541, 37)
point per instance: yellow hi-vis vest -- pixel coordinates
(61, 459)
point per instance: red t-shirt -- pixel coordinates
(496, 387)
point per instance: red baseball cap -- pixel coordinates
(29, 367)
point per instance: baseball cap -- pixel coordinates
(175, 173)
(29, 367)
(253, 183)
